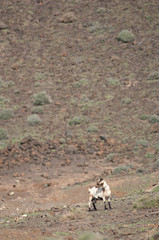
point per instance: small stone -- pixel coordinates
(115, 58)
(11, 193)
(44, 175)
(3, 25)
(68, 17)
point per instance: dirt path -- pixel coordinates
(49, 208)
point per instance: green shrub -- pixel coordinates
(3, 134)
(154, 119)
(113, 81)
(143, 117)
(157, 162)
(153, 76)
(96, 27)
(41, 98)
(142, 142)
(34, 119)
(107, 119)
(146, 203)
(156, 189)
(101, 10)
(126, 36)
(37, 84)
(149, 155)
(90, 236)
(37, 110)
(62, 141)
(92, 129)
(121, 169)
(9, 84)
(16, 91)
(126, 100)
(76, 121)
(110, 157)
(140, 170)
(6, 114)
(39, 76)
(80, 83)
(157, 146)
(3, 100)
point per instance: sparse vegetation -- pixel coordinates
(107, 119)
(68, 50)
(143, 117)
(154, 119)
(156, 189)
(126, 100)
(93, 129)
(80, 83)
(147, 202)
(113, 81)
(62, 140)
(39, 76)
(7, 84)
(37, 110)
(96, 28)
(110, 157)
(157, 162)
(3, 134)
(6, 114)
(34, 119)
(76, 120)
(121, 169)
(126, 36)
(41, 98)
(3, 100)
(142, 142)
(153, 76)
(90, 236)
(101, 10)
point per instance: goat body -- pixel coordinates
(101, 192)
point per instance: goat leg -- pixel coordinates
(93, 203)
(109, 205)
(94, 206)
(105, 206)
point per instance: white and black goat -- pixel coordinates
(100, 192)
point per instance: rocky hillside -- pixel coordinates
(81, 74)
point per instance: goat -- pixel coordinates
(100, 192)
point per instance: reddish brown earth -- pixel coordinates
(70, 50)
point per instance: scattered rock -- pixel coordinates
(66, 162)
(104, 138)
(67, 17)
(115, 58)
(154, 128)
(11, 193)
(45, 175)
(3, 25)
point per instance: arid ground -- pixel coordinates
(79, 100)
